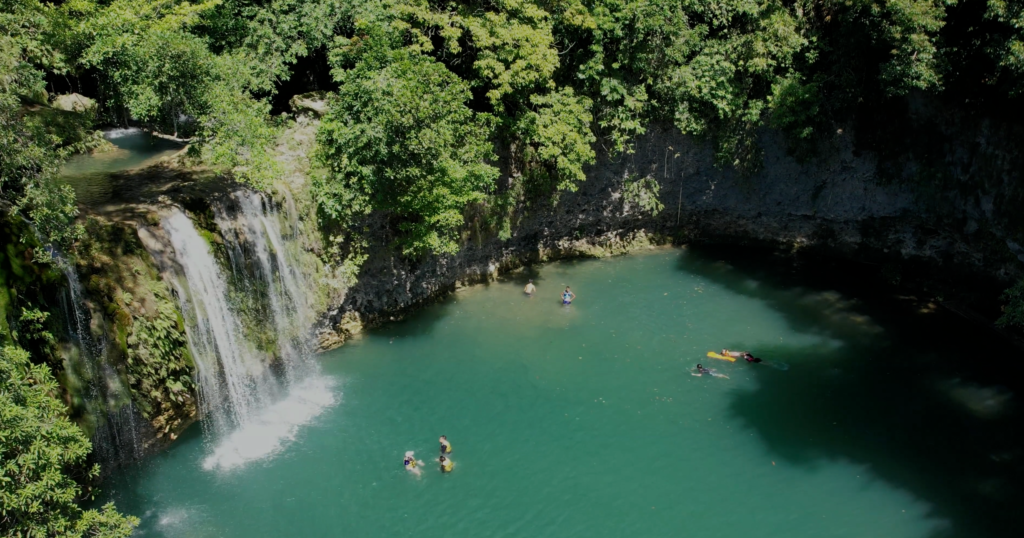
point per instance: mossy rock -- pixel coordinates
(73, 102)
(144, 321)
(309, 104)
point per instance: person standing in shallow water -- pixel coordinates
(530, 289)
(567, 296)
(446, 465)
(446, 447)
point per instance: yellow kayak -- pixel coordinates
(714, 355)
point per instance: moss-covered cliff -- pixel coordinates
(133, 309)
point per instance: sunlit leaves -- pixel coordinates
(1009, 50)
(399, 138)
(152, 66)
(558, 138)
(911, 26)
(38, 448)
(515, 49)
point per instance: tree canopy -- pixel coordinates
(399, 138)
(551, 80)
(541, 83)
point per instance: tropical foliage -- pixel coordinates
(529, 87)
(549, 81)
(40, 450)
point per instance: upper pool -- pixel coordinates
(89, 174)
(866, 420)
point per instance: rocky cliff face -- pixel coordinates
(840, 204)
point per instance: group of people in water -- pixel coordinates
(445, 460)
(413, 466)
(700, 370)
(567, 296)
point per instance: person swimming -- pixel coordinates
(734, 354)
(530, 289)
(567, 296)
(446, 465)
(701, 370)
(750, 358)
(411, 464)
(446, 447)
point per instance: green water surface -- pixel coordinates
(585, 420)
(89, 175)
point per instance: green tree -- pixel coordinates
(152, 68)
(509, 43)
(399, 138)
(722, 71)
(1008, 49)
(269, 36)
(557, 140)
(31, 147)
(39, 450)
(237, 131)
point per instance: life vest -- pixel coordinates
(448, 448)
(447, 465)
(411, 463)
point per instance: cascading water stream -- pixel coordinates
(253, 411)
(106, 398)
(231, 378)
(257, 229)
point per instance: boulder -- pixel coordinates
(73, 102)
(309, 104)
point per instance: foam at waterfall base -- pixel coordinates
(119, 133)
(274, 427)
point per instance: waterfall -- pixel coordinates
(231, 376)
(253, 409)
(257, 227)
(106, 398)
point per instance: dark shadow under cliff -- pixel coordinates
(938, 419)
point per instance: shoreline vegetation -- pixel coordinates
(428, 126)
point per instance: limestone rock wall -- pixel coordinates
(839, 203)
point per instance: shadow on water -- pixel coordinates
(132, 492)
(420, 321)
(524, 275)
(926, 401)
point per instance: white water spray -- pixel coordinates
(120, 133)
